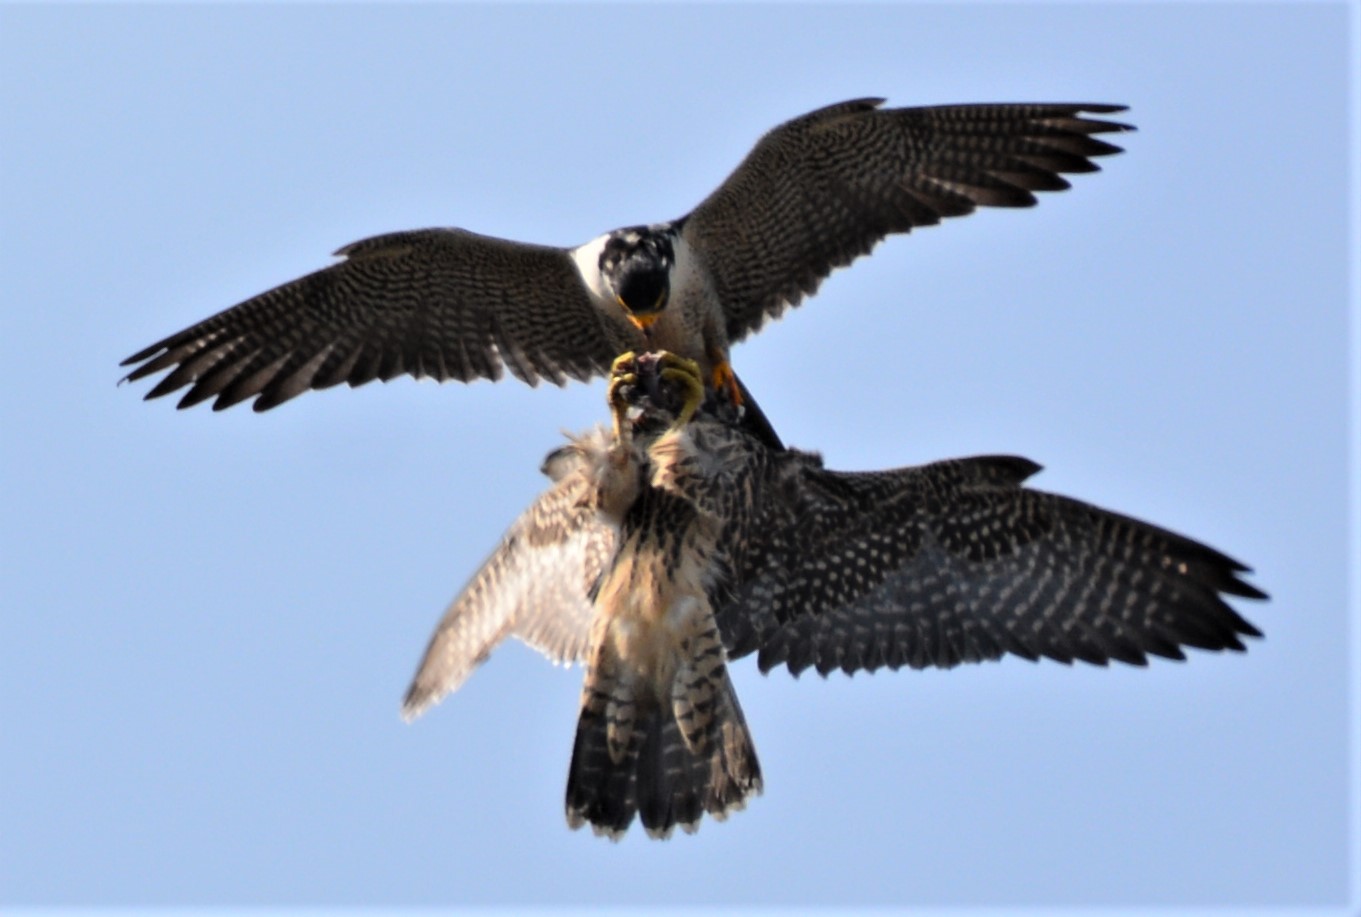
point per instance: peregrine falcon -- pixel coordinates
(673, 544)
(812, 195)
(660, 732)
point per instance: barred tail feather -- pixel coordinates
(656, 774)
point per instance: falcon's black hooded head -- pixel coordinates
(636, 264)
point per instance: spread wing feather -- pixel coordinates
(536, 585)
(957, 562)
(821, 190)
(933, 565)
(814, 194)
(443, 303)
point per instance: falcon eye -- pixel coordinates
(660, 250)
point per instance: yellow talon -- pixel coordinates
(687, 373)
(694, 394)
(669, 367)
(622, 373)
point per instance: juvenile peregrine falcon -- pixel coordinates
(659, 543)
(814, 194)
(661, 733)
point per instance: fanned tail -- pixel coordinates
(633, 755)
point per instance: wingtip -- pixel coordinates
(418, 699)
(144, 354)
(1103, 108)
(1246, 590)
(412, 708)
(1233, 582)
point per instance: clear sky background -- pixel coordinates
(209, 619)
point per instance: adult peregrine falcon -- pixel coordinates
(666, 549)
(814, 194)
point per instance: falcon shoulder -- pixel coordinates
(957, 561)
(442, 303)
(821, 190)
(536, 584)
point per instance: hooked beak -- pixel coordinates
(644, 321)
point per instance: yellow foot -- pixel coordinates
(630, 370)
(623, 372)
(687, 374)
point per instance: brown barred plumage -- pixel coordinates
(769, 552)
(661, 733)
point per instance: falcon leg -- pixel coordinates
(725, 380)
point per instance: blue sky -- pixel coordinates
(209, 619)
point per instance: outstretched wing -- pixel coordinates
(534, 586)
(444, 303)
(821, 190)
(957, 562)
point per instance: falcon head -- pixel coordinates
(636, 264)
